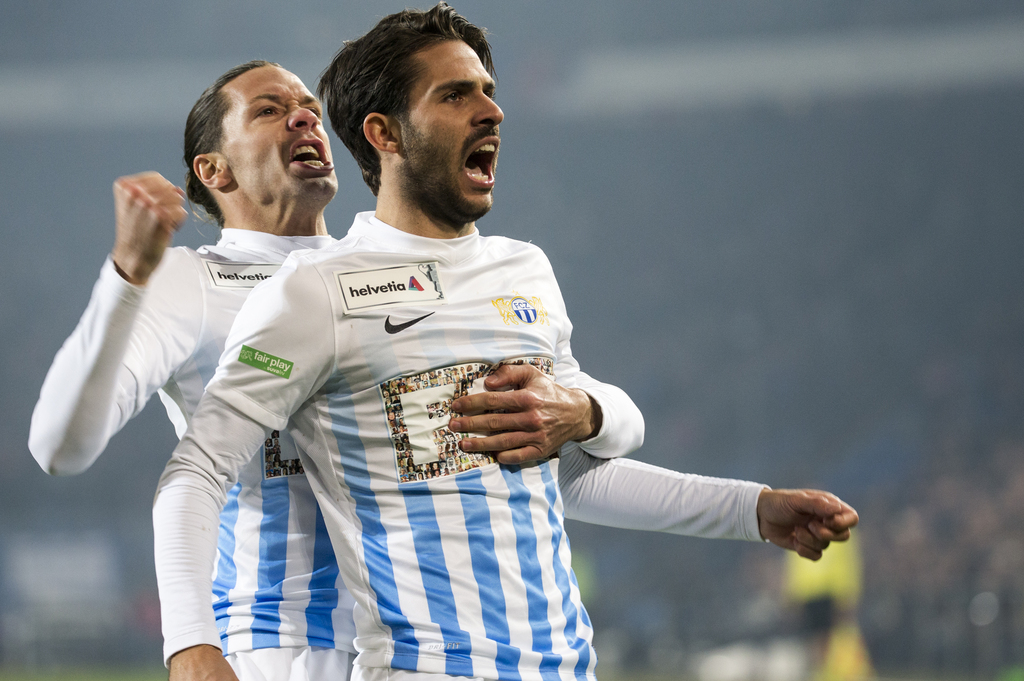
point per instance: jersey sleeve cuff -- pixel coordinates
(114, 287)
(748, 503)
(203, 636)
(622, 424)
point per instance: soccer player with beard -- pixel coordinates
(464, 572)
(260, 165)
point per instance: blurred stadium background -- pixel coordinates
(792, 231)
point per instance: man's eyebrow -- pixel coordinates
(462, 85)
(309, 99)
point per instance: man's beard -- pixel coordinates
(429, 181)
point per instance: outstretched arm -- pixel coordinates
(634, 495)
(88, 393)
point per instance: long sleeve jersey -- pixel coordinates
(458, 564)
(275, 579)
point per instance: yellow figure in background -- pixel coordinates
(828, 592)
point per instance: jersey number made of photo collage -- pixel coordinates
(418, 410)
(280, 458)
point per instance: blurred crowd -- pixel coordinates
(944, 551)
(944, 577)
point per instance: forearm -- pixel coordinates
(185, 527)
(633, 495)
(186, 511)
(78, 410)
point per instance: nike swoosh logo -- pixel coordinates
(395, 328)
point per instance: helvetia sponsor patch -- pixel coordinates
(239, 274)
(266, 362)
(414, 284)
(521, 310)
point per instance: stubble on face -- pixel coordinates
(431, 173)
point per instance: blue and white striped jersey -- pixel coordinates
(276, 578)
(276, 581)
(458, 565)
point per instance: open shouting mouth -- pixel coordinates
(480, 163)
(309, 158)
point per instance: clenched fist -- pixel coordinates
(804, 520)
(148, 211)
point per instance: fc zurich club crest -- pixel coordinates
(521, 309)
(526, 312)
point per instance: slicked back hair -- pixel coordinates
(204, 130)
(375, 74)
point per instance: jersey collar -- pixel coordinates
(260, 242)
(454, 251)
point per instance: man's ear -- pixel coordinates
(383, 132)
(212, 170)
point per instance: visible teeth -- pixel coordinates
(318, 164)
(306, 150)
(486, 147)
(476, 175)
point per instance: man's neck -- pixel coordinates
(404, 215)
(279, 223)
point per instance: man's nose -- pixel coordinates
(301, 117)
(490, 113)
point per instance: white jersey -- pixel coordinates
(276, 581)
(458, 565)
